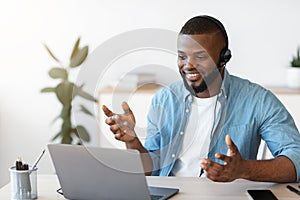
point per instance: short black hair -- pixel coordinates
(203, 24)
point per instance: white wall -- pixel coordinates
(263, 36)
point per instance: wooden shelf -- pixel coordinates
(282, 90)
(148, 88)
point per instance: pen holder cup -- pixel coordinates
(23, 183)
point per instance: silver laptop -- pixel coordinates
(101, 173)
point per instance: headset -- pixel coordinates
(225, 53)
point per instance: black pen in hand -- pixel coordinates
(201, 172)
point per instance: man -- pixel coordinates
(212, 121)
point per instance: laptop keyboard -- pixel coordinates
(155, 197)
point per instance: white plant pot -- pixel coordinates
(293, 77)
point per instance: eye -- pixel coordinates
(181, 57)
(201, 57)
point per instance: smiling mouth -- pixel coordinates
(193, 76)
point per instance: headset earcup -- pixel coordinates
(225, 55)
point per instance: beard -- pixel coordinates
(206, 81)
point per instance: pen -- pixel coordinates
(201, 172)
(25, 167)
(39, 158)
(19, 164)
(293, 189)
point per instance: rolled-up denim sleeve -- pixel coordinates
(293, 155)
(279, 131)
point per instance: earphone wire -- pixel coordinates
(212, 129)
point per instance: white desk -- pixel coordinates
(189, 188)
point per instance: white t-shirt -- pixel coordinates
(197, 137)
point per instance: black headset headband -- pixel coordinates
(225, 54)
(220, 25)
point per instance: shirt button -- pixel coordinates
(173, 155)
(187, 110)
(181, 133)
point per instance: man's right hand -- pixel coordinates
(122, 125)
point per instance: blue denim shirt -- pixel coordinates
(248, 113)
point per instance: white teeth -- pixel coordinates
(191, 75)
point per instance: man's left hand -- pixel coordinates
(232, 167)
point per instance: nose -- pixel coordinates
(190, 63)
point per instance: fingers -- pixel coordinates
(226, 159)
(118, 133)
(126, 107)
(111, 120)
(114, 128)
(121, 125)
(106, 111)
(228, 171)
(118, 119)
(217, 172)
(232, 149)
(127, 110)
(214, 171)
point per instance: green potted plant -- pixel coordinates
(295, 62)
(65, 92)
(293, 72)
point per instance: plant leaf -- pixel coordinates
(55, 119)
(51, 54)
(58, 73)
(81, 86)
(79, 57)
(295, 62)
(85, 110)
(78, 91)
(82, 133)
(56, 136)
(75, 48)
(64, 92)
(48, 89)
